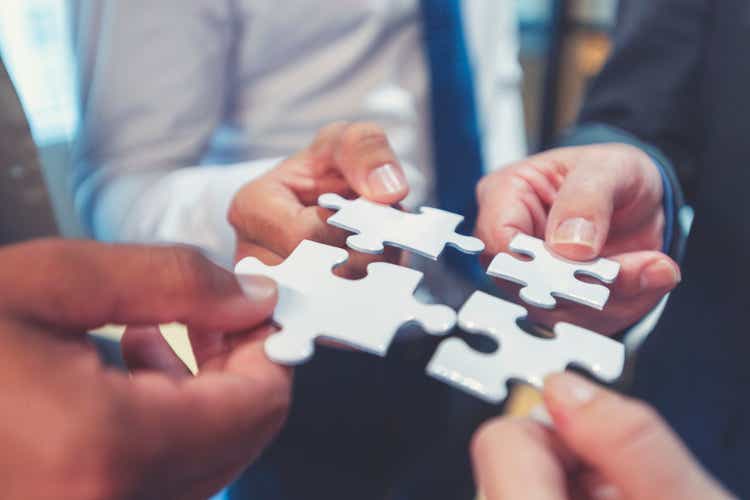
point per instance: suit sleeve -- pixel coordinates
(649, 92)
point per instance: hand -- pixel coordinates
(274, 213)
(603, 200)
(603, 446)
(73, 428)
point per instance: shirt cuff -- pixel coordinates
(185, 206)
(669, 204)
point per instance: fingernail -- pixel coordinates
(540, 415)
(661, 274)
(606, 491)
(257, 288)
(576, 231)
(568, 391)
(386, 180)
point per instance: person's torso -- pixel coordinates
(695, 366)
(298, 68)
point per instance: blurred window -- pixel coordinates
(35, 45)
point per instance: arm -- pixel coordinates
(153, 91)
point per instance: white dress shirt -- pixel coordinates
(184, 101)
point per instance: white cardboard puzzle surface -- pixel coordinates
(364, 314)
(426, 233)
(548, 276)
(519, 355)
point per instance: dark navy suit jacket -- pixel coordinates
(678, 84)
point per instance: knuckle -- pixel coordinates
(365, 136)
(497, 179)
(244, 204)
(326, 138)
(484, 184)
(629, 158)
(331, 130)
(54, 251)
(188, 272)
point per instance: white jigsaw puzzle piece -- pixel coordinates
(364, 314)
(519, 355)
(549, 276)
(426, 233)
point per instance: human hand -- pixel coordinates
(73, 428)
(603, 446)
(274, 213)
(589, 201)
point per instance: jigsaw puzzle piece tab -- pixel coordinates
(549, 276)
(333, 201)
(364, 314)
(376, 225)
(435, 319)
(310, 259)
(448, 236)
(367, 219)
(519, 355)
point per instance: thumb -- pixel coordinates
(361, 153)
(604, 180)
(625, 441)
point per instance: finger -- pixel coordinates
(363, 155)
(268, 215)
(144, 348)
(591, 485)
(223, 417)
(515, 200)
(581, 215)
(261, 253)
(356, 267)
(81, 285)
(646, 273)
(623, 440)
(644, 279)
(518, 458)
(311, 224)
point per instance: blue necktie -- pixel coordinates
(455, 128)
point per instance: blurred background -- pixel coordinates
(563, 44)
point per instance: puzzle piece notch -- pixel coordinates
(519, 355)
(426, 233)
(548, 276)
(364, 314)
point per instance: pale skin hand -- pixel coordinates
(73, 428)
(274, 213)
(603, 446)
(589, 201)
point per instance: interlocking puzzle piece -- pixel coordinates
(519, 355)
(364, 314)
(426, 233)
(548, 275)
